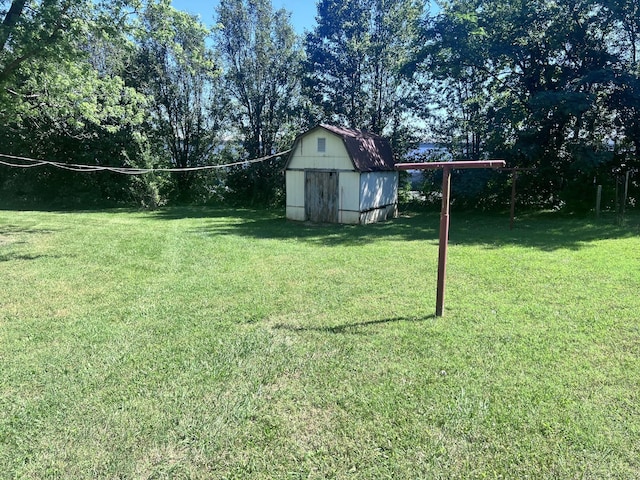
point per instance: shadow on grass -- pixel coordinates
(270, 224)
(12, 230)
(351, 327)
(10, 257)
(12, 236)
(546, 231)
(542, 230)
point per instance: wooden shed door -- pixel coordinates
(321, 196)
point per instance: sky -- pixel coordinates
(303, 12)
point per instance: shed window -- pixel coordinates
(322, 145)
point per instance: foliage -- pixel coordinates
(260, 57)
(177, 71)
(354, 70)
(553, 86)
(538, 83)
(259, 183)
(56, 103)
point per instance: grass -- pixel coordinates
(208, 343)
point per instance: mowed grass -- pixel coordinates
(208, 343)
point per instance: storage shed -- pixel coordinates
(341, 175)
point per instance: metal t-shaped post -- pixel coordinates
(445, 212)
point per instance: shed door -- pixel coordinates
(321, 196)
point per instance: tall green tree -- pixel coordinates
(459, 86)
(544, 74)
(624, 101)
(177, 70)
(261, 58)
(54, 102)
(355, 67)
(36, 31)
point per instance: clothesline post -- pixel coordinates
(446, 212)
(443, 244)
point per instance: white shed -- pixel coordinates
(341, 175)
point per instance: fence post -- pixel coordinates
(626, 194)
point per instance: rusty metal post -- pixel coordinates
(444, 239)
(444, 217)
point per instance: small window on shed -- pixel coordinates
(322, 145)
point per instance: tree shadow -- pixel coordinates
(272, 224)
(9, 257)
(351, 328)
(12, 230)
(547, 231)
(541, 230)
(12, 236)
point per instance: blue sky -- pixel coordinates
(303, 12)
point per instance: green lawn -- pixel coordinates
(208, 343)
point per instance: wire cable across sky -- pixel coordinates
(74, 167)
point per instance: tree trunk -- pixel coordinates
(10, 20)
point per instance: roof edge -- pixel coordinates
(367, 151)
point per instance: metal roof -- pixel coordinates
(367, 151)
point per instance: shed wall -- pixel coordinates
(379, 214)
(350, 191)
(378, 189)
(349, 197)
(362, 197)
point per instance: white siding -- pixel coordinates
(295, 188)
(349, 191)
(306, 156)
(349, 218)
(378, 189)
(349, 198)
(379, 214)
(296, 213)
(295, 195)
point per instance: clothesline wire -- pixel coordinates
(75, 167)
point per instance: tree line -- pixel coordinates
(548, 85)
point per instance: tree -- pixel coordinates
(27, 34)
(624, 101)
(261, 57)
(543, 73)
(178, 72)
(354, 71)
(55, 104)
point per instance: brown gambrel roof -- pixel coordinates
(368, 152)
